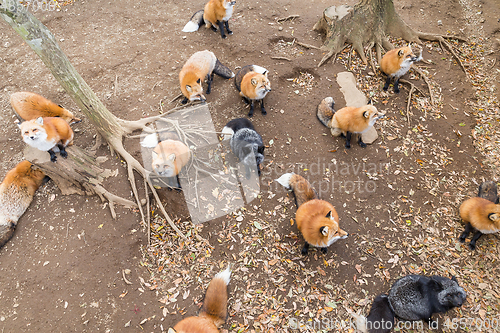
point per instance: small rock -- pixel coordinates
(280, 28)
(370, 136)
(128, 324)
(440, 23)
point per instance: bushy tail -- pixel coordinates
(325, 111)
(215, 302)
(222, 70)
(379, 320)
(227, 133)
(488, 190)
(6, 232)
(195, 22)
(301, 188)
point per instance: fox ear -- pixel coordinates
(329, 215)
(324, 231)
(370, 102)
(453, 278)
(188, 88)
(154, 155)
(253, 82)
(260, 149)
(198, 81)
(366, 114)
(265, 73)
(400, 53)
(171, 157)
(494, 217)
(171, 330)
(39, 121)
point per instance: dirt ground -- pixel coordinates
(64, 269)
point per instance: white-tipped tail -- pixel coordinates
(227, 132)
(360, 322)
(285, 179)
(190, 27)
(224, 275)
(150, 141)
(232, 75)
(258, 69)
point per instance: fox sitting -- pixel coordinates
(481, 214)
(200, 66)
(213, 312)
(216, 14)
(253, 85)
(16, 194)
(348, 120)
(29, 106)
(397, 63)
(50, 134)
(317, 220)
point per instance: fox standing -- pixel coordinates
(16, 194)
(253, 85)
(348, 120)
(216, 14)
(200, 66)
(481, 214)
(397, 63)
(30, 106)
(213, 313)
(48, 134)
(317, 219)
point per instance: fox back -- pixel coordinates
(16, 194)
(169, 157)
(46, 133)
(218, 11)
(318, 222)
(397, 62)
(29, 106)
(194, 71)
(252, 82)
(482, 214)
(354, 120)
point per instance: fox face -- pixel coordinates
(195, 91)
(33, 131)
(372, 114)
(163, 165)
(228, 3)
(406, 56)
(330, 230)
(261, 85)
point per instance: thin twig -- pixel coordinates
(147, 211)
(408, 103)
(176, 97)
(419, 71)
(290, 17)
(308, 46)
(281, 58)
(371, 62)
(124, 278)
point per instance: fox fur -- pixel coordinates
(347, 120)
(253, 85)
(317, 220)
(28, 106)
(50, 134)
(397, 63)
(216, 14)
(213, 312)
(200, 66)
(481, 216)
(412, 298)
(16, 194)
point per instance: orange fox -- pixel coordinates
(16, 194)
(169, 157)
(397, 63)
(253, 84)
(29, 106)
(317, 219)
(201, 65)
(50, 134)
(348, 120)
(213, 313)
(480, 215)
(216, 14)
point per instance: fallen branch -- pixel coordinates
(308, 46)
(290, 17)
(281, 58)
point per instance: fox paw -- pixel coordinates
(461, 239)
(64, 154)
(472, 247)
(324, 250)
(362, 145)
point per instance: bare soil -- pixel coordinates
(63, 270)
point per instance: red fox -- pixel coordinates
(396, 63)
(29, 106)
(201, 65)
(253, 84)
(16, 194)
(213, 313)
(50, 134)
(480, 215)
(216, 14)
(169, 157)
(317, 219)
(348, 120)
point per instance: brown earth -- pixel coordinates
(63, 270)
